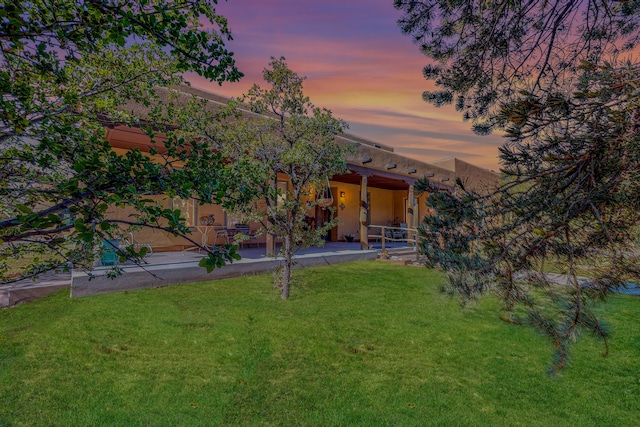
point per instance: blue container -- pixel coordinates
(110, 254)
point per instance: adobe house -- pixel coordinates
(378, 191)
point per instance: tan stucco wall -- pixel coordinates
(349, 216)
(475, 178)
(382, 206)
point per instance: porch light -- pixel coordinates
(411, 170)
(366, 160)
(342, 194)
(391, 166)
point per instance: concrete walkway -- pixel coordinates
(169, 268)
(173, 268)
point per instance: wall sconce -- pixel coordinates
(444, 178)
(342, 194)
(367, 160)
(391, 166)
(428, 175)
(411, 170)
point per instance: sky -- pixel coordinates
(359, 65)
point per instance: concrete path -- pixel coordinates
(561, 279)
(174, 268)
(169, 268)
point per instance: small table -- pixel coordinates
(205, 230)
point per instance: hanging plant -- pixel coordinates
(324, 197)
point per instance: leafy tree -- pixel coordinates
(550, 75)
(273, 132)
(69, 70)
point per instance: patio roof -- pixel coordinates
(375, 179)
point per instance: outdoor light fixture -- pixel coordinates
(342, 194)
(391, 166)
(444, 178)
(428, 175)
(367, 160)
(412, 170)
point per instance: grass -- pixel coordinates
(16, 267)
(358, 344)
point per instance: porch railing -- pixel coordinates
(393, 234)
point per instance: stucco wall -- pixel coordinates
(350, 215)
(386, 205)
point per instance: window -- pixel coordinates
(188, 209)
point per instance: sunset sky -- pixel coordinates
(359, 65)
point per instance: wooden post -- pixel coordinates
(270, 241)
(410, 206)
(364, 230)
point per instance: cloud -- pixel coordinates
(358, 65)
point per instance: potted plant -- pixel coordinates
(207, 220)
(349, 237)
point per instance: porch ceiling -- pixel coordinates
(375, 181)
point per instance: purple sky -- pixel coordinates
(357, 64)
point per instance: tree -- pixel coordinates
(549, 74)
(277, 131)
(68, 71)
(489, 54)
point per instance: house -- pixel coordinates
(378, 191)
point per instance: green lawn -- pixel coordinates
(361, 344)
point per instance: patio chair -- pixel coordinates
(130, 241)
(223, 234)
(246, 234)
(404, 227)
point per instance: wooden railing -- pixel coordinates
(392, 234)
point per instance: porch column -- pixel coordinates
(270, 245)
(410, 207)
(364, 230)
(269, 241)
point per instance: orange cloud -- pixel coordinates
(358, 65)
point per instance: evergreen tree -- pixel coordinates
(552, 75)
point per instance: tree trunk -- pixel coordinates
(286, 270)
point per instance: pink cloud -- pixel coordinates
(359, 65)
